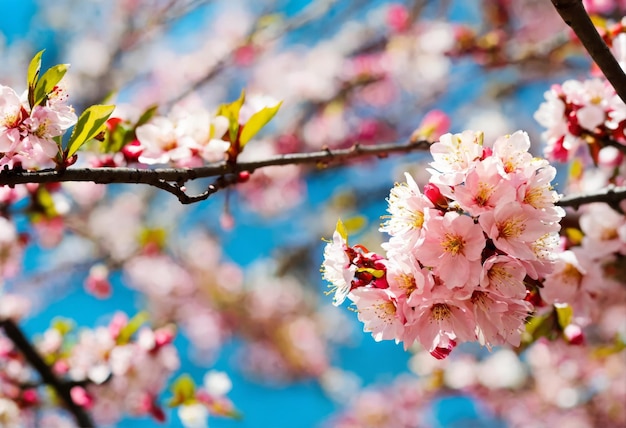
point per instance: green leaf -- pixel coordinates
(47, 208)
(62, 325)
(48, 81)
(540, 326)
(115, 140)
(355, 224)
(184, 391)
(147, 115)
(231, 112)
(257, 122)
(342, 230)
(32, 75)
(564, 314)
(131, 327)
(89, 124)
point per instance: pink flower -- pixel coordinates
(504, 275)
(11, 116)
(408, 209)
(536, 191)
(604, 229)
(405, 278)
(434, 124)
(97, 282)
(43, 124)
(513, 229)
(512, 151)
(438, 321)
(453, 246)
(454, 155)
(378, 311)
(484, 189)
(576, 280)
(499, 319)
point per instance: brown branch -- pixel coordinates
(173, 179)
(575, 15)
(611, 195)
(62, 389)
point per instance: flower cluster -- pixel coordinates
(28, 135)
(185, 138)
(578, 114)
(119, 369)
(460, 253)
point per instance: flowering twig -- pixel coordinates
(172, 180)
(574, 14)
(611, 195)
(14, 333)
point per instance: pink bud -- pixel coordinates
(97, 283)
(118, 322)
(163, 336)
(112, 123)
(81, 397)
(29, 397)
(227, 221)
(441, 352)
(132, 151)
(398, 18)
(61, 367)
(574, 334)
(433, 125)
(433, 193)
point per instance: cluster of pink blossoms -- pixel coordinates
(580, 113)
(123, 367)
(27, 135)
(460, 253)
(585, 113)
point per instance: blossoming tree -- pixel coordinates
(502, 288)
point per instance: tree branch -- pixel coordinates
(611, 195)
(575, 15)
(14, 333)
(172, 180)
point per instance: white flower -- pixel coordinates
(337, 268)
(193, 415)
(217, 383)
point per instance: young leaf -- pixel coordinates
(184, 390)
(63, 325)
(256, 122)
(32, 75)
(231, 112)
(89, 124)
(147, 115)
(48, 81)
(131, 327)
(342, 230)
(564, 314)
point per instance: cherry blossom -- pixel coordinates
(460, 253)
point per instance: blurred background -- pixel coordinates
(348, 72)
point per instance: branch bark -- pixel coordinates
(610, 195)
(574, 14)
(62, 389)
(172, 180)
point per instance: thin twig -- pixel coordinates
(574, 14)
(62, 389)
(173, 179)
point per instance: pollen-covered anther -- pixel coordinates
(453, 244)
(440, 312)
